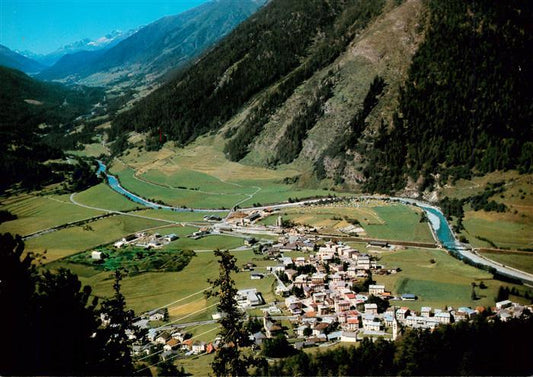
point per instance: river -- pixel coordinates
(437, 220)
(115, 185)
(446, 237)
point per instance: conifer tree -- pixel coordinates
(115, 358)
(229, 360)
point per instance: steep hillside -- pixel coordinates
(155, 49)
(381, 54)
(384, 95)
(11, 59)
(263, 61)
(467, 105)
(36, 122)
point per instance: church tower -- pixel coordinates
(395, 329)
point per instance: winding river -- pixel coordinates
(115, 185)
(439, 224)
(446, 237)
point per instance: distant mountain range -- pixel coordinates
(155, 49)
(107, 41)
(12, 59)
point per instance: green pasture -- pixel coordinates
(445, 282)
(504, 234)
(69, 241)
(521, 260)
(179, 216)
(212, 193)
(90, 150)
(192, 180)
(182, 290)
(102, 196)
(208, 243)
(177, 197)
(272, 191)
(400, 223)
(41, 212)
(198, 365)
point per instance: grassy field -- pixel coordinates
(502, 232)
(182, 290)
(178, 216)
(203, 182)
(177, 197)
(72, 240)
(446, 282)
(520, 260)
(202, 165)
(91, 150)
(102, 196)
(394, 222)
(209, 243)
(401, 223)
(511, 229)
(41, 212)
(212, 192)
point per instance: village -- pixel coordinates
(324, 296)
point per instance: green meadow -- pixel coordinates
(102, 196)
(69, 241)
(181, 291)
(196, 189)
(498, 230)
(445, 282)
(521, 260)
(41, 212)
(400, 223)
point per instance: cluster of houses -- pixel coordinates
(321, 294)
(168, 339)
(507, 309)
(146, 240)
(328, 309)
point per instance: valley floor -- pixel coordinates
(66, 229)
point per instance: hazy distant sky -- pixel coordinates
(42, 26)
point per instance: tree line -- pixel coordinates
(479, 347)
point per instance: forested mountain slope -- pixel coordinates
(467, 104)
(271, 54)
(35, 121)
(385, 93)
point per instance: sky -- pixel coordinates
(42, 26)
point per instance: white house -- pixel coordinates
(198, 347)
(371, 309)
(443, 317)
(503, 304)
(349, 337)
(376, 289)
(248, 297)
(425, 311)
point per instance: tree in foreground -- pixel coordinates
(52, 326)
(117, 334)
(229, 360)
